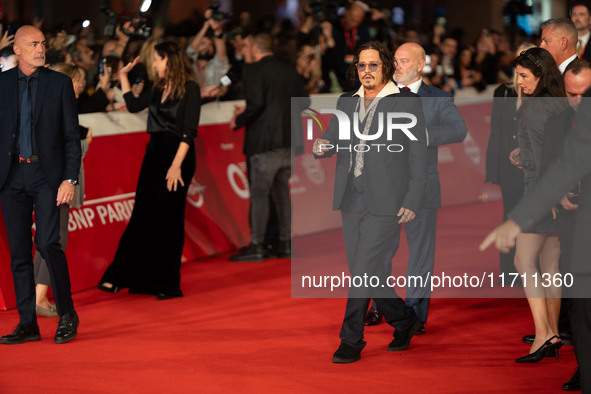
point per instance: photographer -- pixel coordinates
(315, 32)
(210, 60)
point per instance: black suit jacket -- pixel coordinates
(390, 180)
(557, 127)
(502, 140)
(55, 126)
(270, 85)
(445, 125)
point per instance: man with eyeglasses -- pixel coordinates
(376, 191)
(444, 126)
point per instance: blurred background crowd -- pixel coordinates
(318, 37)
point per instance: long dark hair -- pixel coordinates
(178, 68)
(386, 57)
(542, 66)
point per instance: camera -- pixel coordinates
(217, 14)
(324, 10)
(138, 22)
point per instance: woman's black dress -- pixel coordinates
(148, 258)
(535, 111)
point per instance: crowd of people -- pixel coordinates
(375, 64)
(321, 49)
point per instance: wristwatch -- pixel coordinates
(72, 181)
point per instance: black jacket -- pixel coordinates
(55, 126)
(270, 85)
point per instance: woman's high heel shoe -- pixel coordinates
(541, 352)
(552, 350)
(113, 289)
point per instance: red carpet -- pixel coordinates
(238, 330)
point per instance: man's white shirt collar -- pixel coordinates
(388, 89)
(565, 63)
(414, 87)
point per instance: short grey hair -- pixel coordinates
(564, 24)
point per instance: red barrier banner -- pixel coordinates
(218, 197)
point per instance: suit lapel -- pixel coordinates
(12, 90)
(41, 89)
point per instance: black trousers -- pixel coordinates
(24, 190)
(41, 272)
(580, 320)
(269, 174)
(368, 239)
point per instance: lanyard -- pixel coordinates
(351, 39)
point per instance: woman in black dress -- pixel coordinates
(148, 259)
(543, 90)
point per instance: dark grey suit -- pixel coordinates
(369, 205)
(444, 126)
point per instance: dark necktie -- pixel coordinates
(24, 140)
(406, 88)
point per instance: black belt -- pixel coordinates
(22, 160)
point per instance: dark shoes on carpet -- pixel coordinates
(574, 384)
(21, 334)
(402, 337)
(373, 317)
(528, 339)
(421, 330)
(108, 287)
(168, 296)
(66, 331)
(67, 327)
(259, 252)
(566, 339)
(346, 354)
(252, 253)
(283, 250)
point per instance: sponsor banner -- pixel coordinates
(218, 197)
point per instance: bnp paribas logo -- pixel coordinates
(388, 123)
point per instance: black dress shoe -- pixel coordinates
(346, 354)
(113, 289)
(373, 317)
(21, 334)
(566, 338)
(253, 253)
(574, 384)
(67, 327)
(528, 339)
(421, 330)
(402, 337)
(168, 296)
(284, 250)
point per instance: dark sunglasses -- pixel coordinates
(372, 66)
(531, 58)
